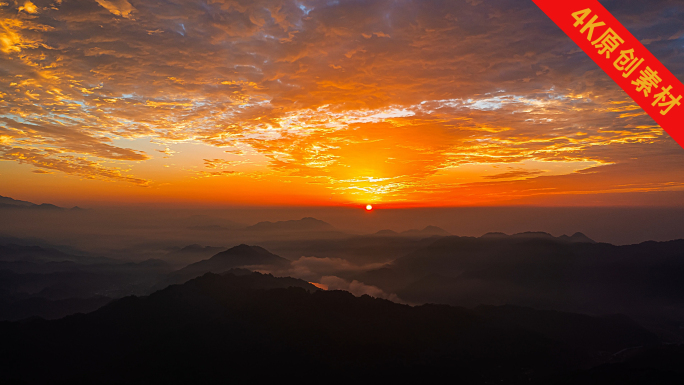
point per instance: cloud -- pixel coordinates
(220, 163)
(209, 174)
(357, 288)
(69, 164)
(28, 7)
(313, 268)
(376, 100)
(515, 174)
(117, 7)
(325, 272)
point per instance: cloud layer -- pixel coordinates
(395, 101)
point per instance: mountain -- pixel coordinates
(386, 233)
(495, 235)
(575, 238)
(237, 328)
(49, 309)
(9, 203)
(207, 223)
(13, 252)
(6, 201)
(541, 271)
(426, 232)
(359, 250)
(8, 240)
(238, 256)
(235, 257)
(195, 248)
(29, 252)
(21, 280)
(191, 254)
(590, 333)
(578, 238)
(305, 224)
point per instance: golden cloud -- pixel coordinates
(371, 100)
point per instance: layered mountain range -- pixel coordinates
(242, 326)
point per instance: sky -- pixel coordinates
(326, 103)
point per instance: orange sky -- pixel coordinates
(279, 102)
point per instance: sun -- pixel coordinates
(369, 207)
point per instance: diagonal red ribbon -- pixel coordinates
(623, 58)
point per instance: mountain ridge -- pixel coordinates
(11, 203)
(293, 225)
(235, 257)
(216, 327)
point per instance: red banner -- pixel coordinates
(623, 58)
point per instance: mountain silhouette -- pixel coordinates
(49, 309)
(235, 257)
(360, 249)
(10, 203)
(580, 238)
(220, 328)
(191, 254)
(544, 272)
(426, 232)
(305, 224)
(575, 238)
(386, 233)
(14, 252)
(238, 256)
(533, 235)
(7, 201)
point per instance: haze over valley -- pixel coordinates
(551, 288)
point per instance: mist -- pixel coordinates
(141, 233)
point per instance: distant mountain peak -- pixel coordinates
(304, 224)
(495, 234)
(575, 238)
(244, 247)
(237, 256)
(427, 231)
(386, 232)
(11, 203)
(14, 202)
(533, 234)
(246, 251)
(434, 229)
(581, 238)
(193, 247)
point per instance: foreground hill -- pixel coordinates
(254, 327)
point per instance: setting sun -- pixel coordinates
(369, 207)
